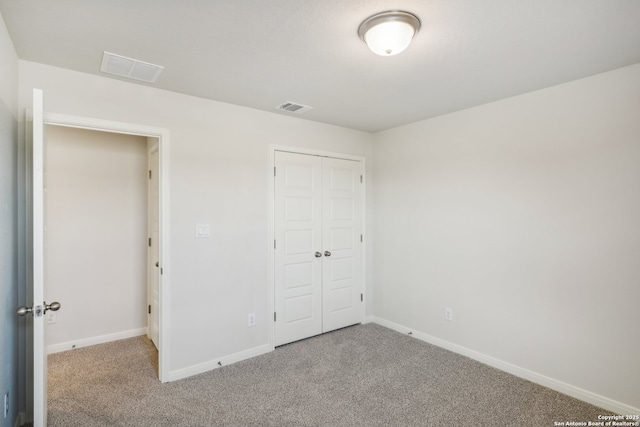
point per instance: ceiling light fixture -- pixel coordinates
(389, 33)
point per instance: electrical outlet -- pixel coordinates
(52, 317)
(6, 404)
(251, 320)
(448, 314)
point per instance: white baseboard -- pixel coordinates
(562, 387)
(368, 319)
(219, 362)
(86, 342)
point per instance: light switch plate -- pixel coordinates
(202, 230)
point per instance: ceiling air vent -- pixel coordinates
(292, 107)
(130, 68)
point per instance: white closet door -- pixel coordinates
(341, 230)
(298, 234)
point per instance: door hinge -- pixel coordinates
(274, 243)
(149, 174)
(361, 297)
(360, 179)
(361, 238)
(149, 241)
(274, 171)
(274, 316)
(149, 310)
(161, 272)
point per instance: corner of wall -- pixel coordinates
(535, 377)
(10, 374)
(8, 70)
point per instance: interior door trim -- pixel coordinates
(271, 229)
(162, 135)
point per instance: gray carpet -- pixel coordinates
(365, 375)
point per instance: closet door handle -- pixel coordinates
(318, 254)
(327, 253)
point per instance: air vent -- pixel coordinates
(130, 68)
(292, 107)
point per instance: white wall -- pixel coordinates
(96, 218)
(10, 371)
(219, 175)
(523, 216)
(8, 71)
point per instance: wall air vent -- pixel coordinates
(292, 107)
(130, 68)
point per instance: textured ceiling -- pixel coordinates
(260, 53)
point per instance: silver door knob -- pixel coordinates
(54, 306)
(327, 253)
(23, 311)
(318, 254)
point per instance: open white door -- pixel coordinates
(39, 353)
(39, 306)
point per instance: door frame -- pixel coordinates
(55, 119)
(271, 224)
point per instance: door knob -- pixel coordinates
(54, 306)
(23, 311)
(327, 253)
(157, 263)
(318, 254)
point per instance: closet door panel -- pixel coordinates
(341, 230)
(298, 234)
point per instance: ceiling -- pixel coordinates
(261, 53)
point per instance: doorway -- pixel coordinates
(162, 137)
(96, 254)
(35, 147)
(318, 256)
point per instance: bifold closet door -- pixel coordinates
(318, 253)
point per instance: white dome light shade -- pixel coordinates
(389, 33)
(389, 38)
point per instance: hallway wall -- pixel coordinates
(96, 221)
